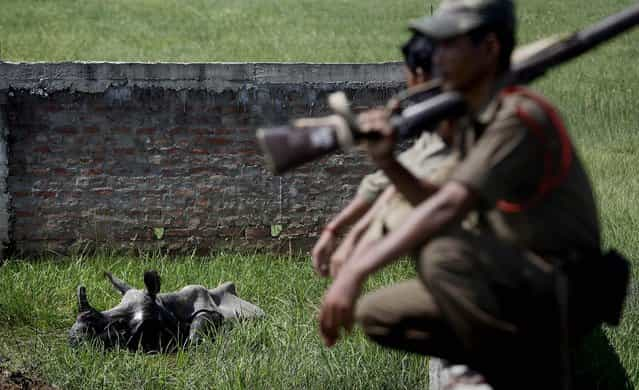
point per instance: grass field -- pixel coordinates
(242, 30)
(597, 94)
(281, 352)
(204, 30)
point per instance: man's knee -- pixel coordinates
(378, 324)
(368, 315)
(443, 255)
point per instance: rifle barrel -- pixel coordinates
(442, 106)
(574, 46)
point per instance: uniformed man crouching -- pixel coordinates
(485, 295)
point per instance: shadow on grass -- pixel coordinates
(598, 365)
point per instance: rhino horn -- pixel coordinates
(83, 302)
(120, 285)
(152, 282)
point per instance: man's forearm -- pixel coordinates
(412, 188)
(351, 213)
(444, 208)
(381, 200)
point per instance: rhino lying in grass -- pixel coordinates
(158, 322)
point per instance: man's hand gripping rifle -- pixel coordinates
(421, 109)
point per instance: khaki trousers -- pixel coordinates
(476, 301)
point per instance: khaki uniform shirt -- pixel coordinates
(420, 159)
(503, 160)
(430, 158)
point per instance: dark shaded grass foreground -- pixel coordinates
(38, 306)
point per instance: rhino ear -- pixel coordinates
(152, 282)
(120, 285)
(83, 302)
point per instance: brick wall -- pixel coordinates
(164, 155)
(4, 191)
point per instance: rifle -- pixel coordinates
(418, 110)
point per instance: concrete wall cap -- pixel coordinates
(96, 77)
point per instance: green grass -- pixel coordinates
(243, 30)
(204, 30)
(283, 351)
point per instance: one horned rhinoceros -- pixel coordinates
(158, 322)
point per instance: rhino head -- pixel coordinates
(138, 321)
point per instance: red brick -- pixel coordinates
(42, 149)
(52, 107)
(124, 151)
(200, 159)
(218, 141)
(208, 190)
(177, 130)
(21, 194)
(91, 130)
(61, 172)
(171, 172)
(91, 159)
(337, 170)
(198, 170)
(257, 232)
(67, 130)
(146, 130)
(92, 172)
(184, 193)
(224, 131)
(103, 212)
(71, 194)
(39, 171)
(121, 130)
(102, 191)
(248, 143)
(202, 202)
(170, 150)
(229, 232)
(199, 151)
(230, 109)
(172, 232)
(153, 213)
(45, 194)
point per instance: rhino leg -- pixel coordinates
(152, 282)
(228, 287)
(232, 306)
(119, 284)
(203, 324)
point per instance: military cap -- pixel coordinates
(458, 17)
